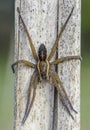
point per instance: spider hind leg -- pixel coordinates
(29, 104)
(55, 81)
(67, 109)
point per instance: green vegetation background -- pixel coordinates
(6, 59)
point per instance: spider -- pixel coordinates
(43, 70)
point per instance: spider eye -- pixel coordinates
(42, 53)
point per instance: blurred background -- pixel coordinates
(6, 59)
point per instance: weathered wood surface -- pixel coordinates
(41, 18)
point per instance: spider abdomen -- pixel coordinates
(42, 53)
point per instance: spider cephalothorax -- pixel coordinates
(43, 70)
(42, 52)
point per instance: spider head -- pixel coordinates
(42, 52)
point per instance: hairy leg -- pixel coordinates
(58, 37)
(67, 58)
(27, 63)
(38, 67)
(29, 106)
(48, 67)
(29, 38)
(55, 81)
(32, 88)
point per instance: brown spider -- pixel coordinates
(43, 70)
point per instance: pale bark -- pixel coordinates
(69, 72)
(40, 17)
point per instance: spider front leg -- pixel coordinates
(27, 63)
(55, 81)
(29, 37)
(58, 37)
(67, 58)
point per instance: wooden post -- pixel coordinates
(69, 72)
(40, 17)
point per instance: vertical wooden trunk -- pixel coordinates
(69, 72)
(40, 17)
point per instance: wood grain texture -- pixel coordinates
(41, 18)
(69, 72)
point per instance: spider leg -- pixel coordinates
(55, 81)
(33, 85)
(29, 38)
(29, 106)
(58, 37)
(30, 64)
(67, 58)
(48, 67)
(40, 79)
